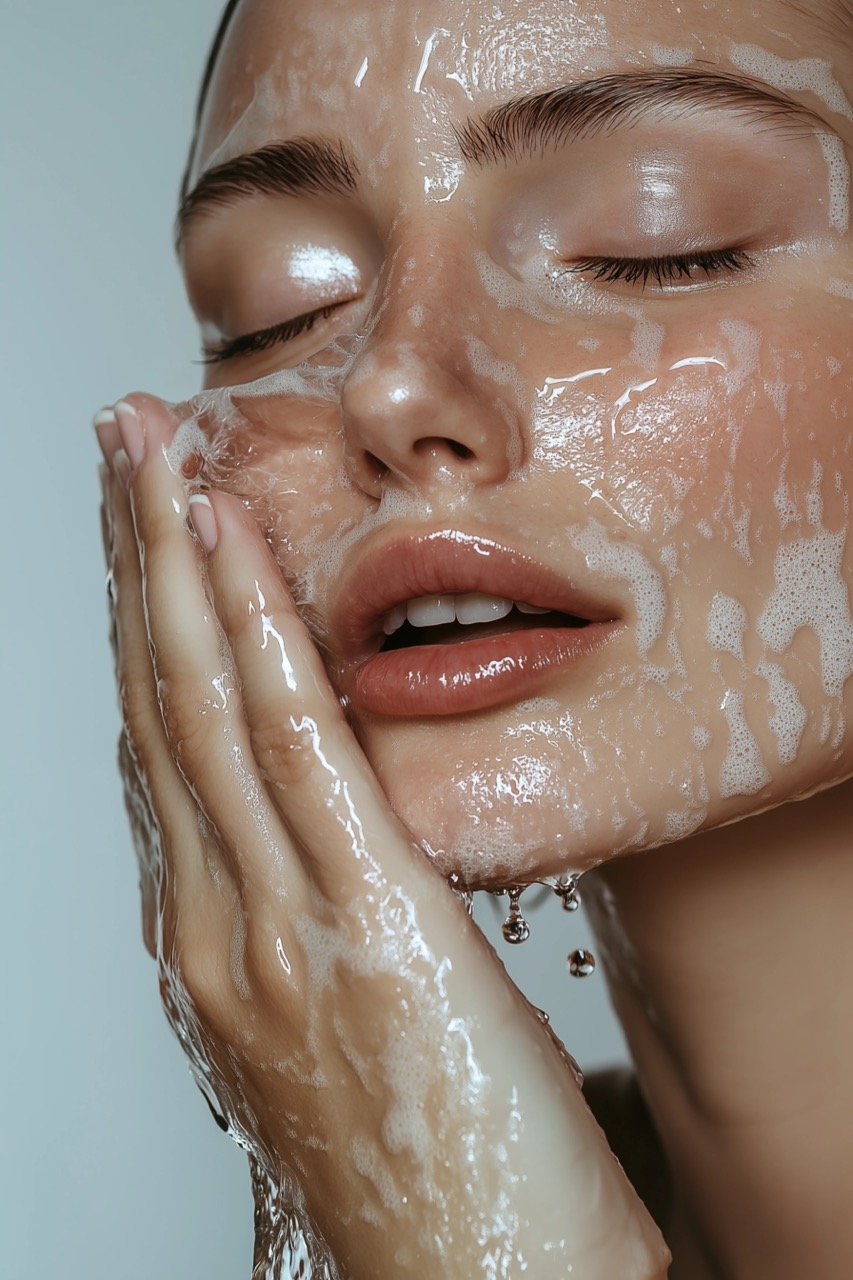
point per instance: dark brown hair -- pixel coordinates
(210, 66)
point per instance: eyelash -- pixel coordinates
(266, 339)
(663, 271)
(607, 270)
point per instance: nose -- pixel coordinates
(416, 415)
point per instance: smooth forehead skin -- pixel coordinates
(686, 454)
(359, 64)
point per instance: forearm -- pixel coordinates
(474, 1154)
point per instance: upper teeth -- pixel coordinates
(435, 611)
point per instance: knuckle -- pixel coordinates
(274, 972)
(284, 749)
(189, 724)
(140, 714)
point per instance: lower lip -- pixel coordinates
(451, 679)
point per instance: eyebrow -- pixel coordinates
(296, 167)
(531, 125)
(521, 128)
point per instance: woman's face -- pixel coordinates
(590, 353)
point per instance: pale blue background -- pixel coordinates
(111, 1166)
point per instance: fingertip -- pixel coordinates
(144, 420)
(234, 518)
(203, 520)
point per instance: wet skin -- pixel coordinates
(659, 448)
(674, 445)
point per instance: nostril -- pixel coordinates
(435, 444)
(378, 468)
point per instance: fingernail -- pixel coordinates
(203, 521)
(121, 467)
(131, 431)
(106, 431)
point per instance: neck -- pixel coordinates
(730, 963)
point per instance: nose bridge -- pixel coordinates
(428, 286)
(421, 403)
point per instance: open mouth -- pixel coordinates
(447, 623)
(444, 620)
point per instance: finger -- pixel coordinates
(318, 777)
(147, 765)
(195, 688)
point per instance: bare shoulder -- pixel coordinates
(614, 1098)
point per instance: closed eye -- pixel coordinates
(266, 339)
(671, 269)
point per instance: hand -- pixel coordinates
(339, 1009)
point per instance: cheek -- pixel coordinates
(728, 469)
(284, 458)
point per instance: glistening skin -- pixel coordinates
(551, 310)
(492, 350)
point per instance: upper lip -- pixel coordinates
(445, 562)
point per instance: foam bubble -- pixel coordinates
(743, 772)
(670, 55)
(789, 715)
(796, 75)
(631, 566)
(784, 503)
(841, 289)
(745, 342)
(679, 824)
(509, 294)
(810, 592)
(838, 170)
(726, 625)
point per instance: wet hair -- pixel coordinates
(210, 67)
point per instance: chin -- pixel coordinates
(548, 787)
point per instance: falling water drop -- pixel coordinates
(567, 890)
(515, 928)
(581, 963)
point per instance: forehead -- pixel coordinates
(351, 67)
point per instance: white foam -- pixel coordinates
(745, 342)
(794, 75)
(810, 592)
(368, 1162)
(509, 294)
(646, 343)
(784, 503)
(630, 565)
(838, 171)
(841, 288)
(789, 715)
(726, 625)
(671, 55)
(743, 772)
(679, 824)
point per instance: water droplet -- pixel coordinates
(567, 890)
(515, 929)
(581, 963)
